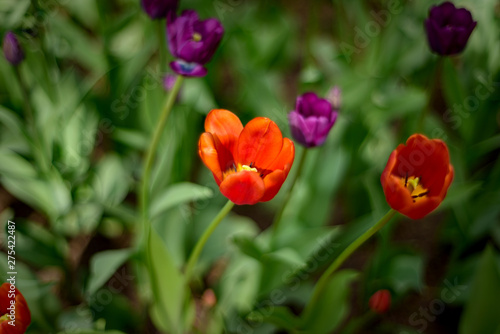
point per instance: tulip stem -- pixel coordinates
(278, 216)
(323, 281)
(433, 85)
(193, 258)
(162, 47)
(151, 153)
(144, 244)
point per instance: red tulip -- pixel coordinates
(248, 163)
(380, 301)
(417, 176)
(15, 315)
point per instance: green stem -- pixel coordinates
(432, 86)
(193, 258)
(323, 281)
(36, 142)
(162, 45)
(144, 188)
(277, 217)
(151, 153)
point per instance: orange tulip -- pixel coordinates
(249, 163)
(15, 315)
(417, 176)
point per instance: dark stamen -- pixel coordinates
(406, 180)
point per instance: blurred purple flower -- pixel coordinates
(169, 82)
(159, 9)
(448, 28)
(312, 119)
(192, 42)
(11, 49)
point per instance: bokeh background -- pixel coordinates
(94, 73)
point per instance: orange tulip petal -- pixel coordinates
(273, 183)
(259, 144)
(285, 158)
(209, 155)
(244, 187)
(23, 315)
(224, 125)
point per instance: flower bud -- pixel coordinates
(159, 9)
(448, 28)
(312, 119)
(380, 301)
(11, 49)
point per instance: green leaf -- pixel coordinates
(247, 246)
(280, 316)
(103, 265)
(332, 306)
(13, 165)
(405, 273)
(111, 182)
(177, 194)
(39, 247)
(481, 310)
(168, 285)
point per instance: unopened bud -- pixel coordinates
(380, 302)
(11, 49)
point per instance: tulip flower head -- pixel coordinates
(417, 176)
(15, 315)
(380, 301)
(312, 119)
(448, 28)
(12, 50)
(159, 9)
(192, 42)
(249, 163)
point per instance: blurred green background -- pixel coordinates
(94, 73)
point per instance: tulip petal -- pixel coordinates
(259, 143)
(273, 183)
(208, 154)
(421, 208)
(23, 314)
(225, 125)
(188, 69)
(225, 128)
(285, 158)
(244, 187)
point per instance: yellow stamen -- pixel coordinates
(245, 167)
(417, 191)
(196, 37)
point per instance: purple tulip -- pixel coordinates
(448, 28)
(192, 42)
(12, 50)
(311, 120)
(159, 9)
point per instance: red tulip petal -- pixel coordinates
(23, 315)
(259, 144)
(421, 208)
(273, 183)
(447, 182)
(209, 156)
(244, 187)
(224, 125)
